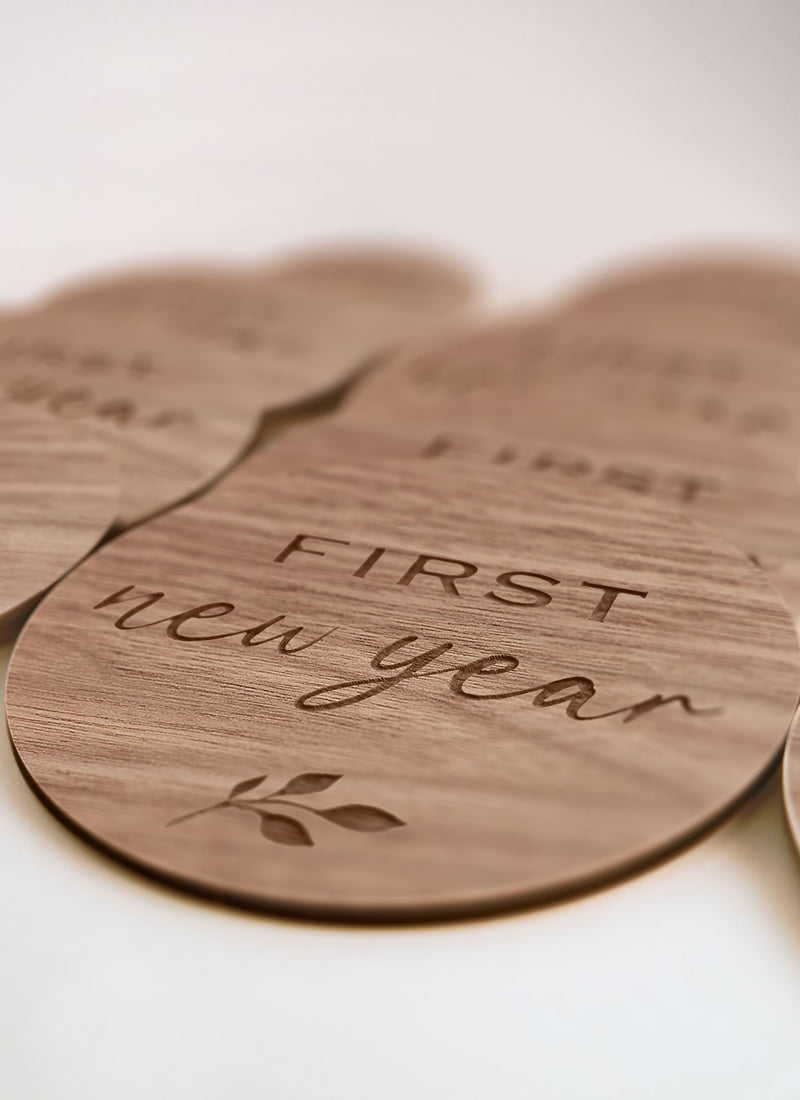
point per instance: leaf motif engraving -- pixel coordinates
(363, 819)
(309, 783)
(246, 785)
(281, 829)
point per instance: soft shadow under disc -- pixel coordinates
(58, 496)
(402, 692)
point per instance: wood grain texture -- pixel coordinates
(58, 496)
(747, 297)
(402, 691)
(312, 319)
(709, 427)
(676, 392)
(174, 417)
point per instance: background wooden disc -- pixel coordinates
(313, 318)
(711, 427)
(173, 415)
(591, 380)
(745, 297)
(58, 495)
(177, 367)
(753, 506)
(151, 704)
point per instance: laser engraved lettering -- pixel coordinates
(250, 635)
(675, 485)
(572, 691)
(512, 587)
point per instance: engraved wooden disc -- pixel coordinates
(178, 367)
(742, 297)
(58, 495)
(402, 692)
(173, 415)
(313, 318)
(709, 426)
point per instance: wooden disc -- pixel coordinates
(593, 380)
(178, 367)
(402, 692)
(750, 504)
(174, 416)
(410, 284)
(706, 426)
(58, 495)
(314, 319)
(740, 297)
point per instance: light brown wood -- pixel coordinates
(177, 367)
(593, 380)
(749, 297)
(58, 496)
(174, 416)
(313, 319)
(404, 691)
(412, 285)
(712, 428)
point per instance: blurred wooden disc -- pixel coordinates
(58, 494)
(174, 416)
(177, 367)
(739, 297)
(709, 427)
(403, 691)
(596, 380)
(752, 505)
(314, 318)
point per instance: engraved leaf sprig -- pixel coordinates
(281, 828)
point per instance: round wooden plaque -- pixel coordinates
(313, 319)
(58, 495)
(742, 297)
(591, 380)
(708, 426)
(753, 506)
(402, 692)
(173, 415)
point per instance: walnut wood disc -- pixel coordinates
(711, 427)
(755, 507)
(175, 416)
(402, 691)
(177, 367)
(745, 297)
(314, 318)
(591, 380)
(58, 496)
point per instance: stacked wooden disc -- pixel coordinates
(527, 600)
(176, 368)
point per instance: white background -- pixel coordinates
(538, 140)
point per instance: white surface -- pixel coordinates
(537, 139)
